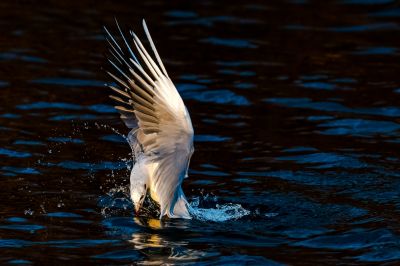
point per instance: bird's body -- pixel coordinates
(161, 135)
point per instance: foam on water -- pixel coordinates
(220, 213)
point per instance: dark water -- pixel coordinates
(295, 106)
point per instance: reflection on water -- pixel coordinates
(295, 106)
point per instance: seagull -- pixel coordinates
(161, 131)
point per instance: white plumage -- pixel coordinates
(161, 135)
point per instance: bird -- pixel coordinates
(161, 132)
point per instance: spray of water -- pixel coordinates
(201, 210)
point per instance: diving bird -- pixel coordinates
(161, 132)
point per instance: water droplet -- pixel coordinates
(28, 212)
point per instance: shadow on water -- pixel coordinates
(295, 106)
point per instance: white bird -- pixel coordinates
(161, 135)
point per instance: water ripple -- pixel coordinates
(69, 82)
(4, 84)
(367, 2)
(393, 12)
(99, 108)
(15, 55)
(325, 160)
(306, 103)
(216, 96)
(359, 127)
(354, 239)
(14, 154)
(20, 170)
(235, 43)
(376, 51)
(74, 165)
(118, 255)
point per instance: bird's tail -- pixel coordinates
(179, 209)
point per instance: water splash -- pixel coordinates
(201, 210)
(108, 127)
(116, 202)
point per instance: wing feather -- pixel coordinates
(118, 99)
(153, 47)
(146, 54)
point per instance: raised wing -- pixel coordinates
(151, 106)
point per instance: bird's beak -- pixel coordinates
(137, 208)
(138, 205)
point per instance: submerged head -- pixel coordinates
(138, 194)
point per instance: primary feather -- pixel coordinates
(161, 135)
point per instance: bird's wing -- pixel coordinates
(152, 107)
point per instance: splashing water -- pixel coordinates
(219, 213)
(105, 126)
(203, 208)
(116, 202)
